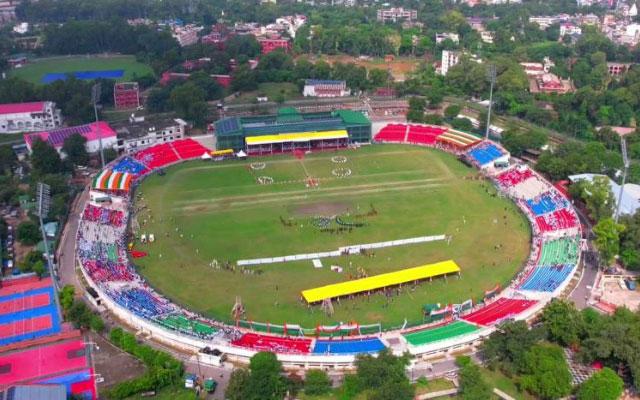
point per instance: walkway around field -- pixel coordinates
(353, 249)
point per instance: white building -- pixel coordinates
(325, 88)
(487, 36)
(21, 28)
(441, 37)
(29, 117)
(396, 14)
(138, 133)
(569, 29)
(448, 60)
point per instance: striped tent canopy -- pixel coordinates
(111, 180)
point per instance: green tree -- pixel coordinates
(265, 381)
(45, 159)
(110, 154)
(8, 159)
(563, 323)
(28, 233)
(75, 148)
(188, 100)
(545, 372)
(39, 268)
(602, 385)
(452, 111)
(384, 375)
(607, 241)
(66, 296)
(472, 384)
(244, 78)
(316, 382)
(238, 384)
(507, 347)
(517, 142)
(597, 197)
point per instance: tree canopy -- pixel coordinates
(602, 385)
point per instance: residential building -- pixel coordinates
(186, 35)
(617, 69)
(396, 14)
(545, 21)
(138, 133)
(568, 28)
(325, 88)
(441, 37)
(93, 132)
(21, 28)
(537, 69)
(126, 95)
(269, 44)
(549, 83)
(487, 36)
(29, 117)
(449, 59)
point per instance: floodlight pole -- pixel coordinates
(625, 160)
(492, 79)
(95, 98)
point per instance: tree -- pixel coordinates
(188, 100)
(607, 241)
(602, 385)
(75, 148)
(563, 323)
(597, 196)
(507, 347)
(45, 159)
(545, 372)
(66, 296)
(383, 376)
(39, 268)
(110, 154)
(472, 384)
(238, 384)
(28, 233)
(316, 382)
(244, 78)
(7, 159)
(452, 111)
(265, 381)
(463, 124)
(517, 142)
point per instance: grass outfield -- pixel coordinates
(37, 68)
(221, 213)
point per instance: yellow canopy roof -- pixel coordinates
(380, 281)
(296, 137)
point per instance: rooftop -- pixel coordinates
(56, 137)
(131, 130)
(16, 108)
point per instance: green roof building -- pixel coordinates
(231, 133)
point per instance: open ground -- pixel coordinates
(203, 214)
(37, 68)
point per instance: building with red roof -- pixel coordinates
(93, 132)
(274, 42)
(29, 117)
(126, 95)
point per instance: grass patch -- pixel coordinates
(497, 379)
(200, 212)
(283, 90)
(38, 68)
(434, 385)
(176, 392)
(11, 138)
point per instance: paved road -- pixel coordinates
(581, 294)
